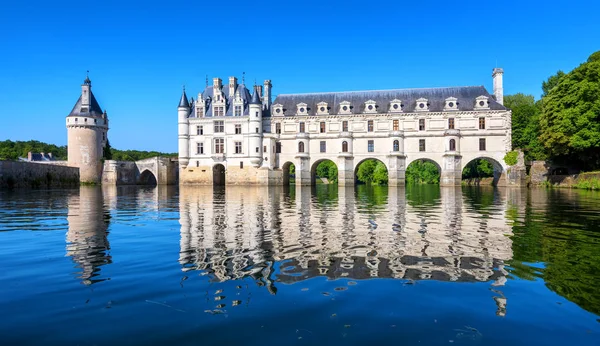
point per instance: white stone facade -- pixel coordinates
(256, 144)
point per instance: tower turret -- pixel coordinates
(183, 112)
(87, 134)
(255, 114)
(497, 74)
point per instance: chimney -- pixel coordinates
(498, 89)
(259, 89)
(267, 96)
(232, 86)
(217, 83)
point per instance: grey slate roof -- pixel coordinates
(436, 98)
(255, 98)
(94, 111)
(207, 95)
(183, 101)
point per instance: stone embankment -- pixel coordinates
(15, 174)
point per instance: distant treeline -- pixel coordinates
(13, 150)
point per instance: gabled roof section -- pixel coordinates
(244, 95)
(436, 98)
(94, 111)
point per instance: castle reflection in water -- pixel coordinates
(275, 235)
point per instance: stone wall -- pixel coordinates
(16, 174)
(573, 179)
(539, 172)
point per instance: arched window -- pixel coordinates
(452, 145)
(396, 145)
(301, 147)
(344, 147)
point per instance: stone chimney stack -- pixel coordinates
(217, 83)
(498, 89)
(267, 95)
(232, 85)
(259, 89)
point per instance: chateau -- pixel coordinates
(233, 135)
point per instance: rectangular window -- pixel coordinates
(421, 124)
(199, 148)
(482, 123)
(238, 129)
(323, 146)
(370, 125)
(197, 163)
(219, 126)
(482, 144)
(345, 126)
(371, 145)
(257, 130)
(421, 145)
(278, 147)
(219, 146)
(322, 127)
(238, 147)
(396, 125)
(451, 123)
(198, 130)
(237, 111)
(264, 148)
(257, 149)
(301, 127)
(278, 128)
(241, 164)
(199, 112)
(219, 111)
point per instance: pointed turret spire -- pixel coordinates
(255, 97)
(87, 80)
(183, 102)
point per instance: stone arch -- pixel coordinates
(313, 170)
(286, 172)
(497, 165)
(356, 181)
(147, 177)
(218, 171)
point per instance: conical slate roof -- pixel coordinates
(183, 102)
(255, 98)
(94, 111)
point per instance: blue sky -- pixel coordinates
(140, 53)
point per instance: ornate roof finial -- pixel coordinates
(183, 86)
(87, 80)
(244, 78)
(207, 81)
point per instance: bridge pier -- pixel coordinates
(451, 174)
(396, 169)
(345, 166)
(303, 174)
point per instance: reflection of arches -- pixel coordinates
(147, 178)
(287, 173)
(497, 166)
(313, 170)
(219, 175)
(363, 161)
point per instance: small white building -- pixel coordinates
(230, 135)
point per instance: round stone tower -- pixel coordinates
(255, 132)
(87, 133)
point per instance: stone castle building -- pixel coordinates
(232, 135)
(87, 130)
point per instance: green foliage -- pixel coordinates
(570, 119)
(588, 184)
(373, 172)
(551, 82)
(526, 125)
(478, 168)
(327, 169)
(422, 172)
(511, 158)
(292, 169)
(10, 150)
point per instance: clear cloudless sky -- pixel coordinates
(140, 53)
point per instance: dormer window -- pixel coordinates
(422, 105)
(370, 106)
(322, 108)
(301, 109)
(451, 104)
(277, 109)
(345, 107)
(395, 106)
(482, 102)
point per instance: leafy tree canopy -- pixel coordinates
(373, 172)
(570, 119)
(327, 169)
(422, 172)
(525, 125)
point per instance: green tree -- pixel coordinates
(478, 168)
(526, 125)
(327, 169)
(380, 174)
(365, 171)
(422, 172)
(570, 119)
(551, 82)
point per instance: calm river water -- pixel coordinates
(419, 265)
